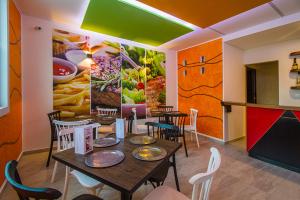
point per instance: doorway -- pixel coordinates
(262, 83)
(251, 85)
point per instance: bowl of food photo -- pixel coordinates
(63, 70)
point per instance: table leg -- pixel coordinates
(125, 196)
(175, 172)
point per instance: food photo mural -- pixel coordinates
(156, 79)
(71, 75)
(133, 74)
(91, 72)
(106, 76)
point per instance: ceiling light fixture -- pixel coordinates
(160, 13)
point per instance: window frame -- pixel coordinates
(4, 58)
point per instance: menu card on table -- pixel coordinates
(120, 128)
(83, 139)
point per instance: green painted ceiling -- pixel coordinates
(119, 19)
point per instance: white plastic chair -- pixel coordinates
(201, 183)
(192, 128)
(65, 141)
(138, 128)
(107, 111)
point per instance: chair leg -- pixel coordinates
(54, 172)
(50, 153)
(175, 172)
(64, 197)
(196, 135)
(185, 148)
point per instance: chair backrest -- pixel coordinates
(193, 119)
(107, 111)
(177, 119)
(24, 192)
(53, 116)
(65, 133)
(165, 108)
(159, 129)
(202, 181)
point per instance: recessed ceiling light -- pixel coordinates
(160, 13)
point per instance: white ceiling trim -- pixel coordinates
(262, 27)
(279, 12)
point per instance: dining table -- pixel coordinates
(128, 175)
(104, 120)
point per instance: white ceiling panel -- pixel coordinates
(59, 11)
(247, 19)
(196, 37)
(287, 7)
(271, 36)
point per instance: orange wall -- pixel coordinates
(11, 124)
(203, 92)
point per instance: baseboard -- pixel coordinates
(212, 138)
(5, 181)
(234, 140)
(37, 151)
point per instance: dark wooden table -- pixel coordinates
(127, 176)
(157, 113)
(103, 120)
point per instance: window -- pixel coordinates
(4, 103)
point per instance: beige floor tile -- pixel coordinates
(240, 177)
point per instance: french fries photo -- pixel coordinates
(71, 74)
(73, 97)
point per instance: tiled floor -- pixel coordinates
(239, 178)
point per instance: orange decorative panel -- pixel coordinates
(204, 13)
(11, 124)
(200, 85)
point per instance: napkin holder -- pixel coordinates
(83, 139)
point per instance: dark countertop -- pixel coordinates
(229, 103)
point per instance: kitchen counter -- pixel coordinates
(273, 134)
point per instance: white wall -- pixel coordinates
(37, 78)
(234, 90)
(280, 52)
(234, 83)
(171, 71)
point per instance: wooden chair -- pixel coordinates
(52, 116)
(165, 108)
(192, 128)
(177, 119)
(107, 130)
(65, 141)
(201, 183)
(157, 130)
(26, 193)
